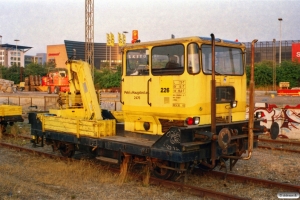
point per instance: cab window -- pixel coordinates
(137, 62)
(168, 60)
(228, 60)
(193, 58)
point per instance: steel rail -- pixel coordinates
(25, 149)
(280, 141)
(265, 182)
(200, 192)
(279, 149)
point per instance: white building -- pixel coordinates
(2, 57)
(12, 55)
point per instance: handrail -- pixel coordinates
(122, 102)
(148, 92)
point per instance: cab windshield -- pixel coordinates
(228, 60)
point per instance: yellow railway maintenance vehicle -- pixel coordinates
(9, 114)
(184, 106)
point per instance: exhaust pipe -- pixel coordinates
(213, 106)
(251, 104)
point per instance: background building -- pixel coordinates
(102, 53)
(13, 54)
(2, 57)
(269, 50)
(39, 58)
(57, 54)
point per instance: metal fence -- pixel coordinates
(43, 103)
(109, 101)
(269, 50)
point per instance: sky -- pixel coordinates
(38, 23)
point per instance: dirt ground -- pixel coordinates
(25, 176)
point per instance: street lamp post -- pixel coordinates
(16, 40)
(125, 32)
(124, 40)
(280, 19)
(274, 65)
(1, 62)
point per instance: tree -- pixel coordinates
(2, 71)
(12, 73)
(107, 78)
(35, 69)
(262, 73)
(289, 72)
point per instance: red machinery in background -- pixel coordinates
(296, 52)
(285, 89)
(57, 81)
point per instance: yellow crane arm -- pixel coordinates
(81, 81)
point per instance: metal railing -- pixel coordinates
(43, 103)
(110, 101)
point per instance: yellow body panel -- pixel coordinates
(10, 110)
(149, 98)
(78, 127)
(77, 113)
(119, 115)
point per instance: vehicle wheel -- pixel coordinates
(163, 173)
(56, 90)
(67, 150)
(49, 90)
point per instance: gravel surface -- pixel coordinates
(25, 176)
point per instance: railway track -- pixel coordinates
(258, 181)
(280, 145)
(197, 191)
(200, 192)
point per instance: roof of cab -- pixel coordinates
(205, 40)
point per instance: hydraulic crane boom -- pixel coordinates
(81, 81)
(81, 102)
(82, 114)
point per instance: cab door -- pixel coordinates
(134, 80)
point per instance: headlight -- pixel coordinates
(233, 104)
(196, 120)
